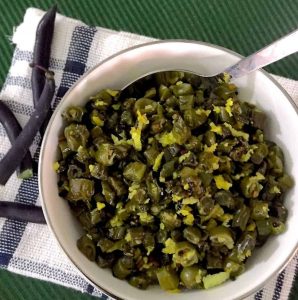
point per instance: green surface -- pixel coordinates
(243, 26)
(16, 287)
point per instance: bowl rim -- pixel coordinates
(40, 165)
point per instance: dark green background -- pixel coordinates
(241, 25)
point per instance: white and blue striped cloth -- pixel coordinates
(30, 249)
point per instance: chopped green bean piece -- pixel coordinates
(251, 186)
(168, 168)
(241, 217)
(215, 279)
(76, 135)
(167, 278)
(223, 236)
(278, 227)
(80, 189)
(98, 171)
(145, 106)
(64, 148)
(170, 219)
(233, 268)
(140, 282)
(108, 193)
(192, 234)
(264, 227)
(260, 210)
(191, 277)
(134, 171)
(73, 114)
(105, 244)
(123, 267)
(105, 154)
(105, 261)
(87, 247)
(186, 102)
(185, 254)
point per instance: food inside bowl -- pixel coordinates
(172, 179)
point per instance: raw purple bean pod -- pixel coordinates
(41, 56)
(22, 212)
(13, 129)
(22, 143)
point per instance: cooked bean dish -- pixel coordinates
(173, 180)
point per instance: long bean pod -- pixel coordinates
(41, 56)
(13, 129)
(21, 212)
(18, 150)
(41, 52)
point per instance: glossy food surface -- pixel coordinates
(172, 179)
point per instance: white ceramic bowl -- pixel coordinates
(116, 72)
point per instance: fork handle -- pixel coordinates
(277, 50)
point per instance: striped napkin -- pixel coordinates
(30, 249)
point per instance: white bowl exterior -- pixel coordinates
(122, 69)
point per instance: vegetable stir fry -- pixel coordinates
(173, 180)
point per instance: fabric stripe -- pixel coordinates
(25, 266)
(19, 108)
(290, 278)
(76, 59)
(18, 81)
(259, 295)
(28, 192)
(278, 286)
(80, 44)
(90, 289)
(97, 293)
(10, 237)
(21, 55)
